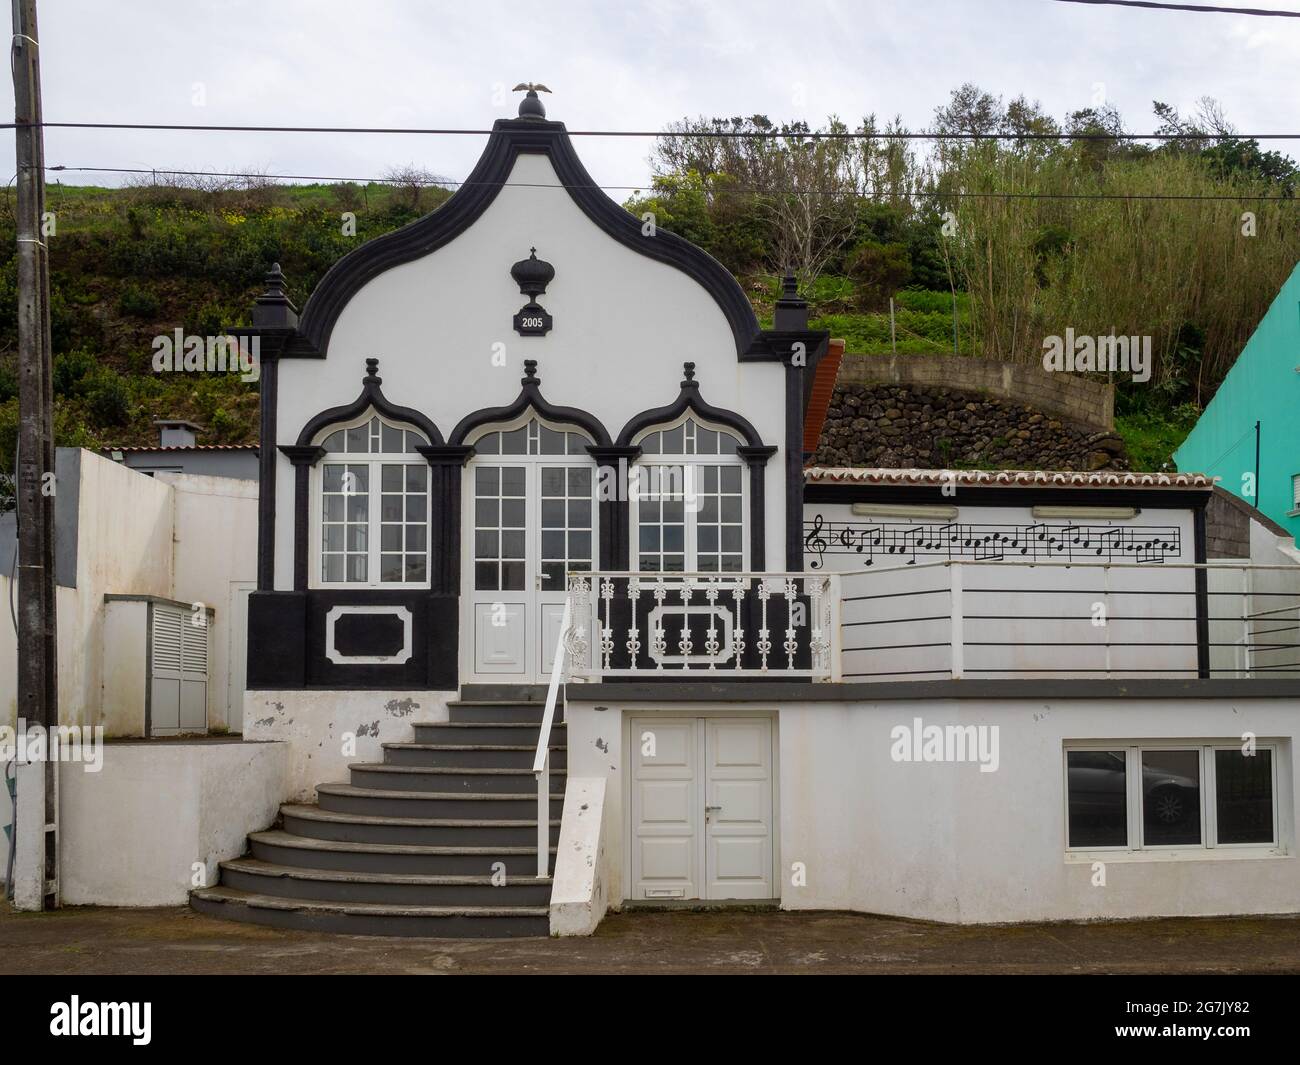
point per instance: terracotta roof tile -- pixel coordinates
(1012, 478)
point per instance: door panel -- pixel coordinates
(738, 826)
(548, 624)
(701, 808)
(500, 637)
(666, 810)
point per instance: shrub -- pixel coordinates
(880, 270)
(138, 303)
(109, 401)
(70, 370)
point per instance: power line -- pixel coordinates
(902, 194)
(1202, 8)
(667, 134)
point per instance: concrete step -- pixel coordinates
(399, 889)
(373, 919)
(285, 848)
(483, 806)
(447, 778)
(312, 821)
(504, 693)
(504, 711)
(481, 755)
(508, 733)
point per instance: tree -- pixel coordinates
(880, 270)
(803, 184)
(411, 181)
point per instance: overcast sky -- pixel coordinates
(635, 64)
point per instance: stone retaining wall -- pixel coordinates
(915, 427)
(1080, 400)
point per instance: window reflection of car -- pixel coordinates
(1097, 787)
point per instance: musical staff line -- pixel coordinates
(1143, 544)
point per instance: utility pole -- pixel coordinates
(37, 645)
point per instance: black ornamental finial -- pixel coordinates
(688, 368)
(530, 373)
(532, 275)
(372, 373)
(275, 281)
(273, 309)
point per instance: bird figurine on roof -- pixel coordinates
(531, 105)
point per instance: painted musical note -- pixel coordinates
(1142, 545)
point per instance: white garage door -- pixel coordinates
(701, 809)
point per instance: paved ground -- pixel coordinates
(111, 941)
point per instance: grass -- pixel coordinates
(1152, 437)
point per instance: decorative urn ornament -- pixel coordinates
(532, 275)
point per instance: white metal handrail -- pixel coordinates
(542, 760)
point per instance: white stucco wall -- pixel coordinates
(624, 324)
(579, 895)
(946, 842)
(125, 653)
(132, 833)
(214, 546)
(326, 731)
(124, 545)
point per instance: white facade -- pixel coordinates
(858, 830)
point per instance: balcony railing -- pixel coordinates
(1070, 619)
(763, 624)
(951, 619)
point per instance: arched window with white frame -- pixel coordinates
(689, 503)
(551, 467)
(371, 506)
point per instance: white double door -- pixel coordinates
(526, 522)
(701, 808)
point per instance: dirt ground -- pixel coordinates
(91, 940)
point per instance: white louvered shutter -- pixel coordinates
(178, 674)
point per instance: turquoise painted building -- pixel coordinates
(1263, 385)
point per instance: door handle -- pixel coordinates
(712, 809)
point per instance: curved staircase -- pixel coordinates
(438, 839)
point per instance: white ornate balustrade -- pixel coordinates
(752, 624)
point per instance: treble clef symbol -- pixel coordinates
(814, 541)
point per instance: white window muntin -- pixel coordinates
(529, 436)
(1133, 779)
(357, 515)
(693, 487)
(533, 443)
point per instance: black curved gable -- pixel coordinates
(371, 396)
(689, 399)
(509, 138)
(530, 397)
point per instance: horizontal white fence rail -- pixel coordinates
(629, 624)
(1003, 619)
